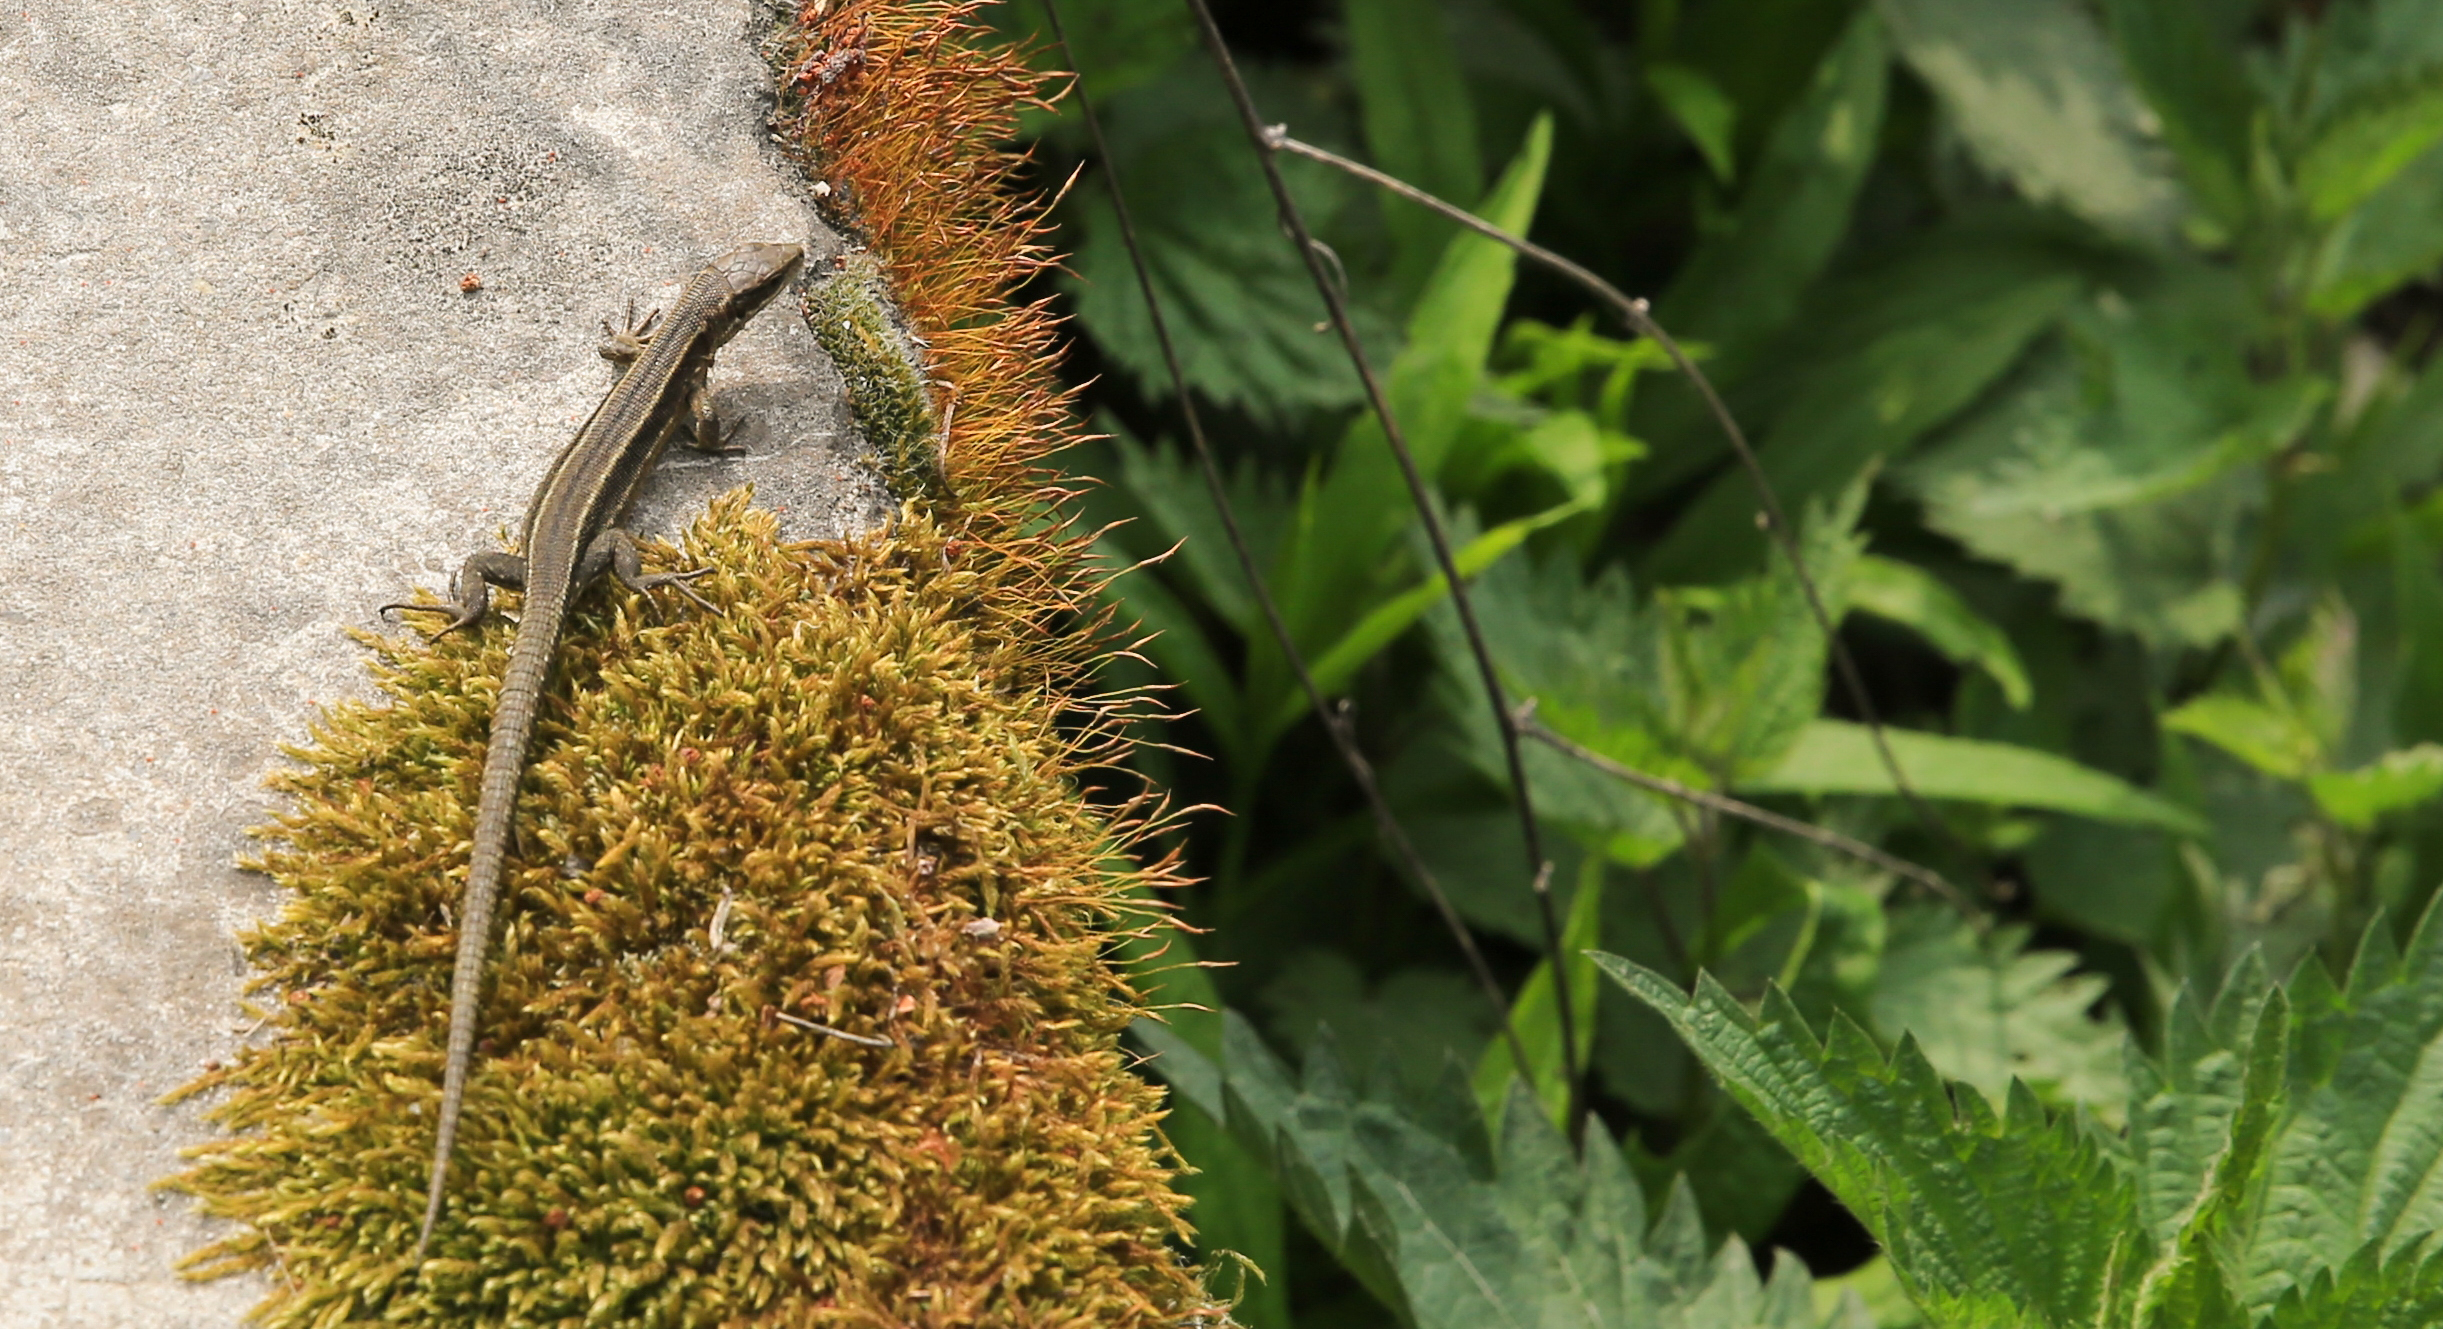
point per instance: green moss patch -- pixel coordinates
(850, 311)
(858, 756)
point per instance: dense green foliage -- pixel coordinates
(2090, 338)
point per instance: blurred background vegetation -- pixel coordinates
(2091, 336)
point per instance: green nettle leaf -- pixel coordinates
(2270, 738)
(2394, 236)
(2301, 710)
(1702, 111)
(2367, 140)
(1454, 1229)
(1590, 655)
(1905, 349)
(2277, 1166)
(1118, 44)
(1985, 1010)
(1234, 292)
(2041, 98)
(2394, 782)
(1837, 757)
(1403, 1029)
(1796, 207)
(1704, 685)
(2118, 464)
(2197, 88)
(1168, 488)
(1419, 119)
(1343, 544)
(1915, 598)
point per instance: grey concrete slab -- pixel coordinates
(243, 400)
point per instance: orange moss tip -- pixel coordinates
(901, 108)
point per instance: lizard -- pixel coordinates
(570, 539)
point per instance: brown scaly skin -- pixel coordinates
(571, 538)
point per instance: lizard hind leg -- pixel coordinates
(471, 590)
(614, 551)
(703, 432)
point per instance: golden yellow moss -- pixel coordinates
(859, 754)
(858, 769)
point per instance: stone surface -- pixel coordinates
(244, 398)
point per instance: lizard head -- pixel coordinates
(754, 274)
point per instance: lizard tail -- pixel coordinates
(495, 815)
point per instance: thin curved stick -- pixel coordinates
(1334, 724)
(1731, 807)
(1294, 221)
(1634, 312)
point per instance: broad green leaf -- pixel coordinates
(1701, 110)
(1986, 1010)
(2122, 883)
(2264, 736)
(1457, 1229)
(2279, 1153)
(2395, 236)
(1350, 521)
(1744, 663)
(1746, 282)
(1118, 44)
(1915, 598)
(1945, 326)
(2155, 400)
(1400, 1032)
(2042, 99)
(2192, 79)
(1238, 1206)
(1236, 295)
(2363, 143)
(1169, 489)
(2302, 709)
(1419, 119)
(1703, 685)
(1837, 757)
(2117, 463)
(2356, 53)
(1535, 1014)
(2394, 782)
(1386, 621)
(2014, 1221)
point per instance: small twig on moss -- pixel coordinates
(1334, 724)
(861, 1040)
(1640, 319)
